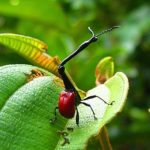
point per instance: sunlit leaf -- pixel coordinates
(22, 43)
(32, 49)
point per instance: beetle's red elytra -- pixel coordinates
(66, 104)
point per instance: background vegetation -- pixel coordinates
(62, 24)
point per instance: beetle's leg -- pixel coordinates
(55, 116)
(94, 96)
(88, 105)
(77, 117)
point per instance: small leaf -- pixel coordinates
(104, 70)
(22, 43)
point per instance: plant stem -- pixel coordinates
(104, 139)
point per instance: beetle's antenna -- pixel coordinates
(91, 31)
(108, 30)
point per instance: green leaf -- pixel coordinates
(115, 89)
(22, 43)
(104, 70)
(28, 107)
(32, 49)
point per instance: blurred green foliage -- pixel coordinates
(62, 24)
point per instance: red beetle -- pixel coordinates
(66, 104)
(70, 98)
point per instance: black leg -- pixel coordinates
(55, 116)
(94, 96)
(77, 117)
(88, 105)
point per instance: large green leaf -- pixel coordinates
(28, 106)
(24, 118)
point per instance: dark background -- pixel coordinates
(62, 24)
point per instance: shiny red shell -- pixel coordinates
(66, 104)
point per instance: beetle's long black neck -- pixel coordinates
(68, 84)
(85, 44)
(80, 48)
(66, 80)
(61, 68)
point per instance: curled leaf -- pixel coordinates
(104, 70)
